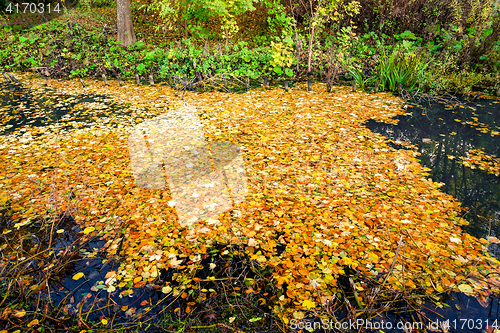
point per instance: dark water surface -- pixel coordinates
(22, 108)
(443, 134)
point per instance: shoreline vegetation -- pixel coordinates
(337, 225)
(454, 51)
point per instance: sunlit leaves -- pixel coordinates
(477, 158)
(307, 304)
(465, 288)
(326, 194)
(88, 230)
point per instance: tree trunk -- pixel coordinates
(124, 23)
(137, 80)
(104, 78)
(285, 84)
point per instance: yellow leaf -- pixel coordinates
(104, 321)
(166, 289)
(20, 314)
(465, 288)
(373, 256)
(78, 276)
(298, 315)
(88, 230)
(33, 323)
(308, 304)
(347, 261)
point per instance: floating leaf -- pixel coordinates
(465, 288)
(88, 230)
(308, 304)
(78, 276)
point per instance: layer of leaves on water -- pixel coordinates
(325, 194)
(477, 158)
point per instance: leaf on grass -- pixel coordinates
(110, 274)
(174, 263)
(252, 242)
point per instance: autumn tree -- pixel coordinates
(318, 15)
(125, 27)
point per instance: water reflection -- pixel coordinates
(443, 135)
(21, 108)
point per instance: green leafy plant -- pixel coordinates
(398, 68)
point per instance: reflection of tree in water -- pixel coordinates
(475, 189)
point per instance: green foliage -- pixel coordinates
(399, 67)
(239, 64)
(435, 57)
(79, 72)
(280, 23)
(190, 14)
(282, 59)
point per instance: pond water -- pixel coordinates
(443, 135)
(22, 109)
